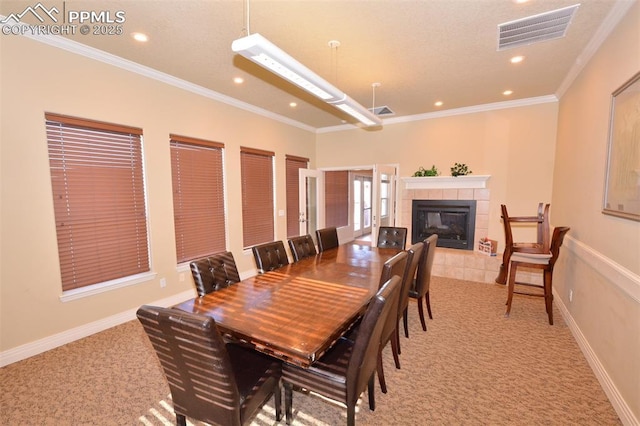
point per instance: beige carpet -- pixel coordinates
(472, 367)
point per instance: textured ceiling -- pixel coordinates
(419, 51)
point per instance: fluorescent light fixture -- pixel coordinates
(266, 54)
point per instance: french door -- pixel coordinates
(362, 202)
(311, 201)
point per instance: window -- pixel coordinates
(292, 165)
(336, 184)
(198, 197)
(99, 200)
(257, 196)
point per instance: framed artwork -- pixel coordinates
(622, 185)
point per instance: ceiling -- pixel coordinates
(419, 51)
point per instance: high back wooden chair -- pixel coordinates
(210, 380)
(327, 238)
(392, 237)
(541, 261)
(270, 256)
(420, 288)
(415, 254)
(349, 367)
(302, 247)
(541, 245)
(214, 272)
(392, 267)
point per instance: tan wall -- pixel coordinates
(600, 265)
(516, 146)
(38, 78)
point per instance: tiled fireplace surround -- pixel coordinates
(470, 265)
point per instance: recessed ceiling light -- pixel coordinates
(140, 37)
(293, 104)
(439, 103)
(520, 1)
(507, 92)
(517, 59)
(238, 80)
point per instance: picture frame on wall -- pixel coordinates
(622, 182)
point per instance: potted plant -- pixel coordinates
(460, 169)
(433, 171)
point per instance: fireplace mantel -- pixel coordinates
(446, 182)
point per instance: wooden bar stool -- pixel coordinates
(541, 245)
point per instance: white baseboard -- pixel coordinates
(50, 342)
(617, 401)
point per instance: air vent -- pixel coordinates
(545, 26)
(382, 110)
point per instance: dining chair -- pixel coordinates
(301, 247)
(327, 238)
(420, 288)
(392, 237)
(214, 272)
(270, 256)
(343, 373)
(414, 256)
(545, 262)
(395, 265)
(541, 245)
(210, 380)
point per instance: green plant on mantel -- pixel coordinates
(433, 171)
(460, 169)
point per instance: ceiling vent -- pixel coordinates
(545, 26)
(382, 110)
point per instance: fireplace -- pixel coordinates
(453, 220)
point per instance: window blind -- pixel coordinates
(336, 184)
(198, 197)
(292, 165)
(257, 196)
(99, 199)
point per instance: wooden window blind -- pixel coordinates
(292, 165)
(99, 200)
(198, 197)
(336, 184)
(257, 196)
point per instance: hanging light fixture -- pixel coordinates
(258, 49)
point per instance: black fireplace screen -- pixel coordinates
(453, 220)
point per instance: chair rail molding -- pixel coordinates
(446, 182)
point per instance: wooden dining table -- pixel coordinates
(296, 313)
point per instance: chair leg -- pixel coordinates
(428, 300)
(548, 295)
(372, 393)
(421, 314)
(395, 349)
(351, 415)
(181, 420)
(396, 335)
(383, 383)
(512, 283)
(288, 401)
(277, 401)
(405, 319)
(504, 267)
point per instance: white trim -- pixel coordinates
(116, 61)
(79, 293)
(50, 342)
(446, 182)
(608, 386)
(452, 112)
(623, 278)
(619, 10)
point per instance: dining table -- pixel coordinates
(295, 313)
